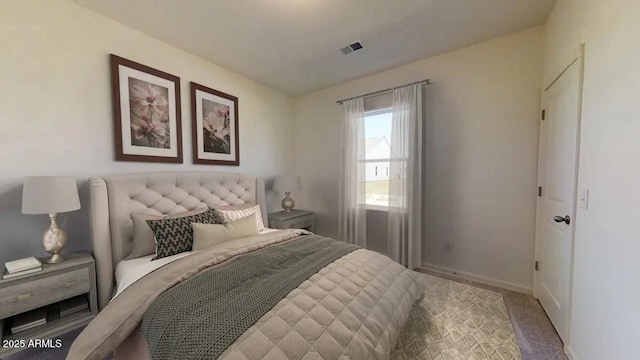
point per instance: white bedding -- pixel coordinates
(130, 271)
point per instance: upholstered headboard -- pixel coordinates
(115, 198)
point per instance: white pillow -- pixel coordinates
(233, 213)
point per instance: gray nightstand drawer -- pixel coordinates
(298, 223)
(295, 219)
(33, 294)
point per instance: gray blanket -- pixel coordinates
(201, 317)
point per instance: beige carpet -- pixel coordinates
(457, 321)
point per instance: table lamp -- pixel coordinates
(287, 184)
(51, 195)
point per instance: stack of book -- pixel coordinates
(73, 305)
(21, 267)
(29, 320)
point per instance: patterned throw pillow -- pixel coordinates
(144, 242)
(174, 236)
(233, 213)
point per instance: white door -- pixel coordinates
(557, 175)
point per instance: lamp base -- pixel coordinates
(54, 240)
(54, 259)
(287, 203)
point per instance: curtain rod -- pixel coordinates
(426, 82)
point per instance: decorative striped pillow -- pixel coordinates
(174, 236)
(144, 242)
(233, 213)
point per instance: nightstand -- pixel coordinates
(51, 289)
(296, 219)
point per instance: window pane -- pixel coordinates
(378, 192)
(377, 133)
(377, 153)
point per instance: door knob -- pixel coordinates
(559, 219)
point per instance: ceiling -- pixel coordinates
(293, 45)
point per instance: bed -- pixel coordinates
(285, 294)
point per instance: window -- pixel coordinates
(377, 158)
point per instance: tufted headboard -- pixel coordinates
(115, 198)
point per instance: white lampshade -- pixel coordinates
(49, 195)
(287, 183)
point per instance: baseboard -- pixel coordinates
(569, 351)
(479, 278)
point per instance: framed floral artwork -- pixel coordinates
(214, 126)
(146, 106)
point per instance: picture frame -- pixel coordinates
(214, 126)
(147, 113)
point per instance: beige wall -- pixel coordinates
(56, 117)
(481, 145)
(605, 321)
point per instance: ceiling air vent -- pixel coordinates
(351, 48)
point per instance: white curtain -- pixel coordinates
(405, 178)
(352, 225)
